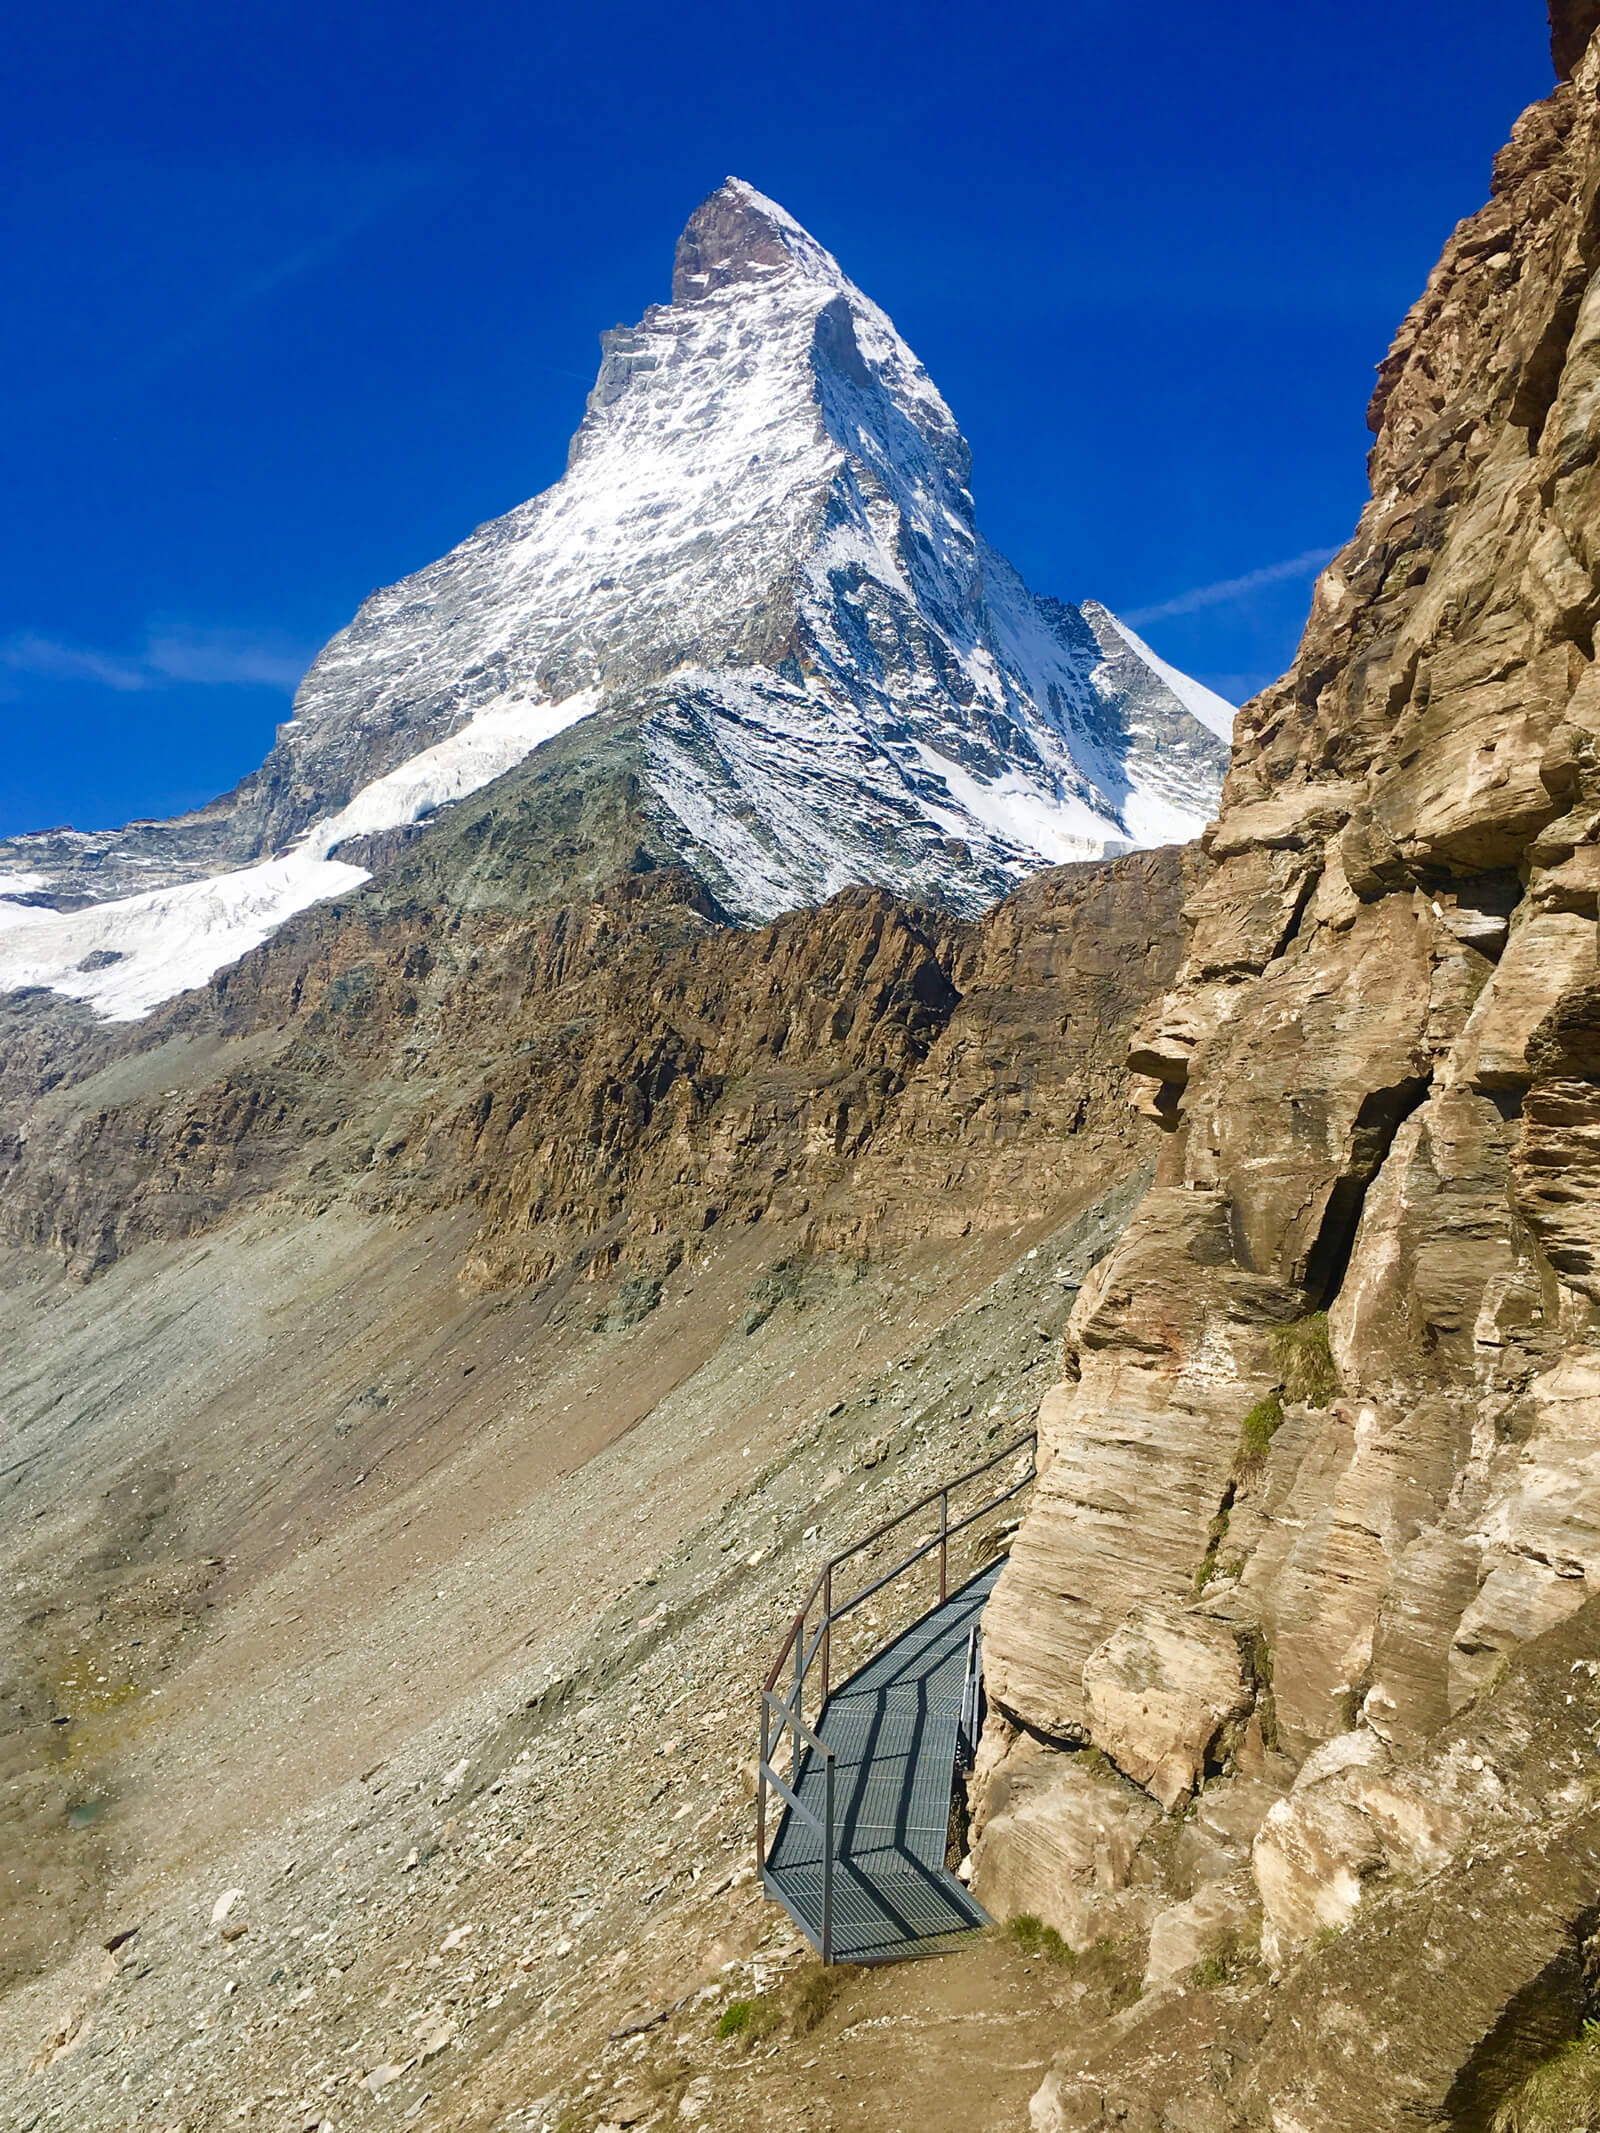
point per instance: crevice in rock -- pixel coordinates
(1216, 1534)
(1540, 380)
(1303, 898)
(1073, 1740)
(1382, 1113)
(1354, 1698)
(1541, 373)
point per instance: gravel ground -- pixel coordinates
(470, 1731)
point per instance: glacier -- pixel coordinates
(764, 558)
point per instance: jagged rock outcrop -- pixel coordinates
(534, 1013)
(1326, 1460)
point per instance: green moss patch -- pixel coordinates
(1257, 1431)
(1302, 1354)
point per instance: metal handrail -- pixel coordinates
(822, 1824)
(791, 1717)
(971, 1698)
(824, 1575)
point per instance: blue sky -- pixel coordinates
(295, 296)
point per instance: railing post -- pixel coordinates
(799, 1684)
(827, 1627)
(944, 1545)
(761, 1792)
(827, 1864)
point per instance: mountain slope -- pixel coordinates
(764, 558)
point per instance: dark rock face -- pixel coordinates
(726, 239)
(1378, 1075)
(1572, 24)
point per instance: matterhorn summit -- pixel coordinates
(762, 565)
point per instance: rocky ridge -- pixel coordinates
(602, 1077)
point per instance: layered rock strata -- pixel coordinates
(1326, 1458)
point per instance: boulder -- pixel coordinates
(1548, 954)
(1160, 1690)
(1059, 1843)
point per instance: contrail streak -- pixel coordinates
(1297, 566)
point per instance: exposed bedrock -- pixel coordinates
(1323, 1469)
(534, 1015)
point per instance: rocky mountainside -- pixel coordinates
(1294, 1659)
(445, 1343)
(763, 562)
(493, 1301)
(588, 1055)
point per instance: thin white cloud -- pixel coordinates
(31, 654)
(1188, 603)
(223, 658)
(210, 658)
(375, 190)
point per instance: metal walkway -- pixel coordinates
(858, 1861)
(896, 1730)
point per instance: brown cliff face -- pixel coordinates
(606, 1070)
(1324, 1462)
(523, 1153)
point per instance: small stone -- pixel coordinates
(227, 1917)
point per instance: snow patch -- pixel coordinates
(20, 884)
(1054, 829)
(125, 957)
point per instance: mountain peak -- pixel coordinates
(762, 563)
(738, 234)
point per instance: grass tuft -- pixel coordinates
(1302, 1353)
(1227, 1961)
(1034, 1937)
(1305, 1362)
(1562, 2095)
(752, 2021)
(798, 2005)
(735, 2018)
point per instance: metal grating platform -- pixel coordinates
(893, 1728)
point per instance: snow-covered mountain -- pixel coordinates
(763, 556)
